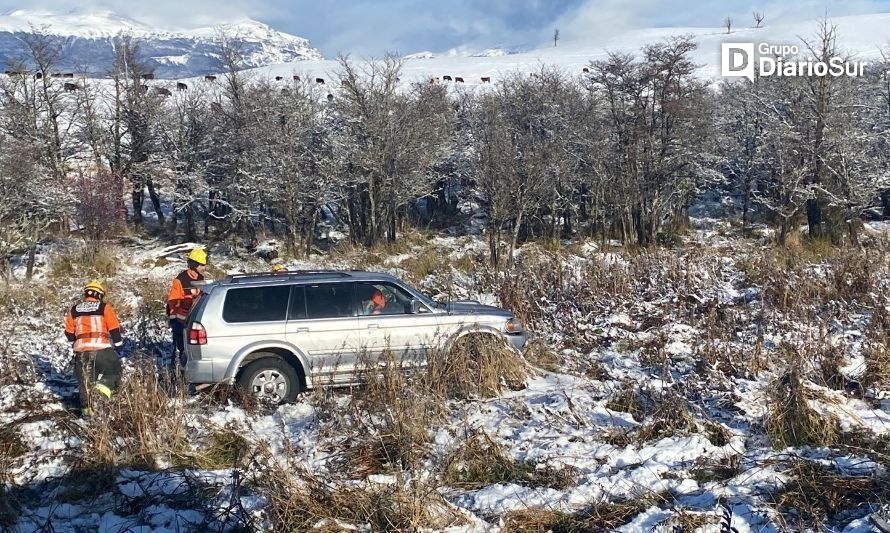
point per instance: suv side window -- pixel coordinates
(256, 304)
(329, 300)
(381, 298)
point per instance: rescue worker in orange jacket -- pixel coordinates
(375, 305)
(93, 327)
(182, 295)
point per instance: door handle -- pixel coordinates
(373, 326)
(302, 330)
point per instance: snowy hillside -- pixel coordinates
(87, 42)
(863, 35)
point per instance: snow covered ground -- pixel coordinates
(652, 379)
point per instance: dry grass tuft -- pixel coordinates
(877, 350)
(222, 448)
(475, 366)
(479, 461)
(83, 262)
(11, 449)
(386, 422)
(298, 500)
(143, 424)
(539, 354)
(629, 399)
(671, 416)
(603, 516)
(790, 420)
(816, 493)
(419, 266)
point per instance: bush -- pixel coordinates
(476, 366)
(790, 420)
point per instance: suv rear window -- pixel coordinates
(330, 300)
(256, 304)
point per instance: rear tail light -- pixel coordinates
(197, 334)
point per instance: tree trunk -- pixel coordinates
(885, 202)
(155, 202)
(310, 235)
(32, 254)
(814, 218)
(515, 240)
(138, 197)
(493, 240)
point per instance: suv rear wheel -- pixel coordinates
(270, 379)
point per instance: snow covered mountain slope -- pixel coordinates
(862, 35)
(87, 41)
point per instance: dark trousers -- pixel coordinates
(102, 366)
(178, 355)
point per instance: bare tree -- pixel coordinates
(758, 18)
(555, 36)
(390, 140)
(134, 130)
(727, 23)
(657, 154)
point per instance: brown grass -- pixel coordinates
(539, 354)
(816, 493)
(629, 399)
(142, 425)
(602, 516)
(82, 262)
(790, 420)
(386, 421)
(479, 461)
(298, 500)
(476, 366)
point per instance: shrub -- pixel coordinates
(476, 366)
(790, 420)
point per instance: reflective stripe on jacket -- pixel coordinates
(182, 294)
(92, 325)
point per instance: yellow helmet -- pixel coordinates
(278, 267)
(95, 286)
(198, 255)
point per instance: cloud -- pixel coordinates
(373, 27)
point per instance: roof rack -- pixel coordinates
(236, 278)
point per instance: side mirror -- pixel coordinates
(416, 306)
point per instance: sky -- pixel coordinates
(371, 28)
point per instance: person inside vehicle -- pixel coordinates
(375, 304)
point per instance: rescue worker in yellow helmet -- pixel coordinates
(278, 268)
(93, 327)
(182, 295)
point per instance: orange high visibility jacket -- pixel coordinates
(182, 294)
(92, 325)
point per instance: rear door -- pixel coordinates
(253, 314)
(322, 322)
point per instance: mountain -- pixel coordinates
(87, 43)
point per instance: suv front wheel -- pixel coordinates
(270, 379)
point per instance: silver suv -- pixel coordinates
(277, 334)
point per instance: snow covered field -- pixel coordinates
(720, 384)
